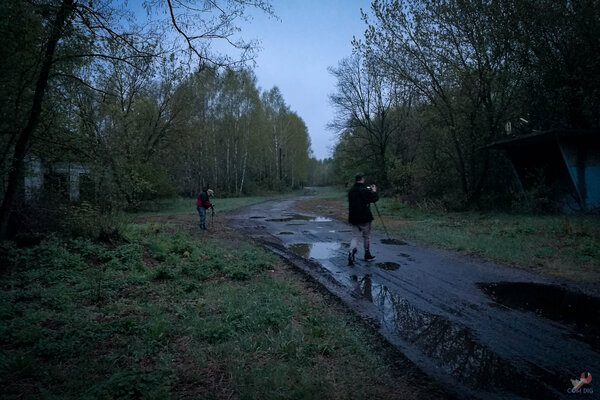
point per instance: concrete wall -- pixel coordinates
(34, 177)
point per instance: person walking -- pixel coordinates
(360, 196)
(202, 204)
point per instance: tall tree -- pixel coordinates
(367, 102)
(458, 55)
(68, 30)
(559, 46)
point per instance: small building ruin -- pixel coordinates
(568, 159)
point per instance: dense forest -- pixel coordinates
(135, 109)
(432, 83)
(88, 94)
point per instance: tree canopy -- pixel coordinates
(455, 74)
(95, 84)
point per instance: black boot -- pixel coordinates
(369, 256)
(351, 257)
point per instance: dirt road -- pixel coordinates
(481, 330)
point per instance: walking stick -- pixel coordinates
(212, 215)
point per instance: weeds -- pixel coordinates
(165, 315)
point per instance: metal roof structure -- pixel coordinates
(568, 161)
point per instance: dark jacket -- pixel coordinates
(359, 197)
(203, 200)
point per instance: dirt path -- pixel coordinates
(482, 330)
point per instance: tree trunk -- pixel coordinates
(243, 171)
(15, 177)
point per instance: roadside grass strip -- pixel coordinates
(167, 316)
(563, 245)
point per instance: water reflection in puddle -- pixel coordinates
(300, 217)
(317, 250)
(451, 346)
(363, 286)
(579, 311)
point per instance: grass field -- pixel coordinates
(182, 205)
(566, 246)
(169, 314)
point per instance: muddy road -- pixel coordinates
(483, 331)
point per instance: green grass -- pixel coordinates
(169, 316)
(182, 205)
(566, 246)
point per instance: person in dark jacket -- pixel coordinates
(360, 196)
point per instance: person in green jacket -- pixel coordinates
(360, 196)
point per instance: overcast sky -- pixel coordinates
(310, 36)
(296, 49)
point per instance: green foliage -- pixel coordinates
(124, 257)
(18, 364)
(151, 130)
(428, 140)
(563, 246)
(134, 384)
(163, 272)
(51, 253)
(104, 321)
(321, 172)
(249, 263)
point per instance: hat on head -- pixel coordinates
(359, 176)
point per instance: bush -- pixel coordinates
(31, 220)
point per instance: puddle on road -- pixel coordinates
(577, 310)
(451, 346)
(317, 250)
(363, 286)
(300, 217)
(393, 241)
(388, 265)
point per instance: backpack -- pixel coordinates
(200, 202)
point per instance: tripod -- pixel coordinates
(384, 228)
(212, 214)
